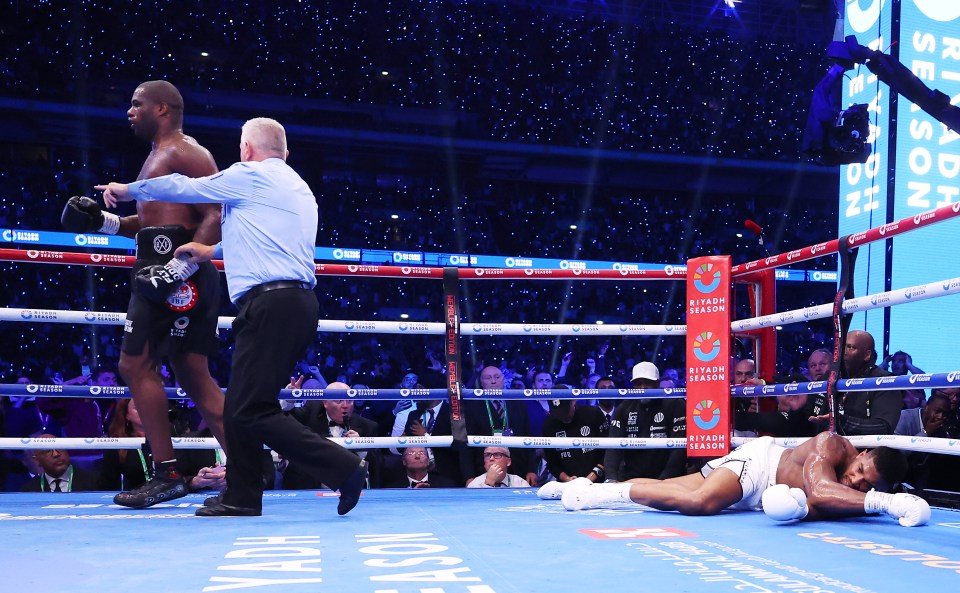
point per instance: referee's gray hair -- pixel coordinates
(267, 135)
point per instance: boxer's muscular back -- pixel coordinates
(184, 155)
(836, 452)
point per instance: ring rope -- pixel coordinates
(78, 444)
(383, 327)
(670, 272)
(879, 300)
(911, 294)
(895, 441)
(891, 383)
(880, 233)
(905, 443)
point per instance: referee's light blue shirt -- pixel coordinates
(269, 219)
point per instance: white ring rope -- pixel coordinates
(895, 441)
(904, 443)
(78, 444)
(879, 300)
(890, 383)
(381, 327)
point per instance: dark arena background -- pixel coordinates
(495, 135)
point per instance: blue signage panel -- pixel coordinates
(59, 239)
(384, 257)
(863, 186)
(927, 177)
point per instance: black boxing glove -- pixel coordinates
(83, 215)
(157, 282)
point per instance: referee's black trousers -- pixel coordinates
(271, 333)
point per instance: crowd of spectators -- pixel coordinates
(514, 71)
(635, 228)
(605, 367)
(510, 71)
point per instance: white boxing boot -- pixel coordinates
(597, 495)
(554, 490)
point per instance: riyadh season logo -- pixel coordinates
(863, 14)
(706, 347)
(939, 10)
(706, 278)
(706, 415)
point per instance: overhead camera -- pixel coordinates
(847, 140)
(833, 137)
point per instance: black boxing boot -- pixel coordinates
(166, 484)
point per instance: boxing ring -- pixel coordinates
(478, 541)
(470, 541)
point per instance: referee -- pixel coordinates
(269, 228)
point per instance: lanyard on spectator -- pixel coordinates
(69, 483)
(505, 429)
(143, 464)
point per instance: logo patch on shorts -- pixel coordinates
(179, 328)
(184, 298)
(162, 244)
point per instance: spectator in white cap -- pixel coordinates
(647, 418)
(647, 373)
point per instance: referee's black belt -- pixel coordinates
(267, 287)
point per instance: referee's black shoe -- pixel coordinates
(213, 500)
(351, 488)
(227, 510)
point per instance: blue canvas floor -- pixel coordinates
(464, 541)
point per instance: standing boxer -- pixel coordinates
(269, 232)
(174, 304)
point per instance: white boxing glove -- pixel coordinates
(783, 503)
(908, 509)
